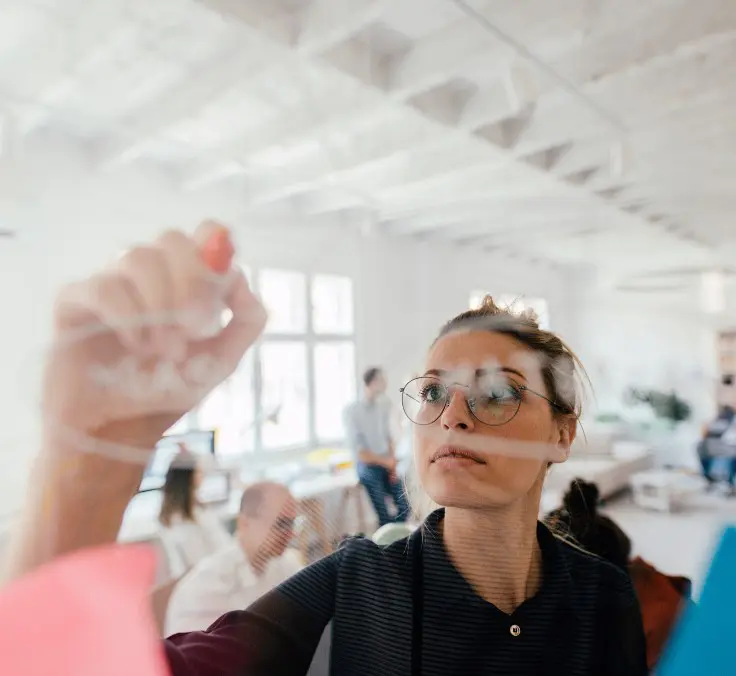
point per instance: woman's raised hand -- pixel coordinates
(133, 349)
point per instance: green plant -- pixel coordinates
(665, 405)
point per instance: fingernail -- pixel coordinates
(218, 250)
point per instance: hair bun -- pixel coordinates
(581, 498)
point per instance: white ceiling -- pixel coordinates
(601, 131)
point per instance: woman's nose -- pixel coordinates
(457, 415)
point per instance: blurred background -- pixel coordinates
(383, 165)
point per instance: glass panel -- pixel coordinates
(284, 295)
(230, 411)
(334, 372)
(285, 400)
(517, 304)
(332, 304)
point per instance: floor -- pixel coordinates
(681, 543)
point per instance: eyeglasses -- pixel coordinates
(286, 524)
(493, 402)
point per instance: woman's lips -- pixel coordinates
(456, 454)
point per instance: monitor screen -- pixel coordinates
(198, 442)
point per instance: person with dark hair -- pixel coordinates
(662, 597)
(189, 533)
(482, 587)
(368, 431)
(719, 440)
(594, 532)
(253, 563)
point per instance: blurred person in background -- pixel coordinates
(662, 597)
(255, 562)
(189, 532)
(368, 431)
(719, 440)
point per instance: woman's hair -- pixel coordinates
(561, 369)
(580, 521)
(179, 490)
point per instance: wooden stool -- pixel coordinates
(356, 493)
(314, 511)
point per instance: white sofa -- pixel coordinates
(599, 459)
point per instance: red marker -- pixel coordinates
(218, 251)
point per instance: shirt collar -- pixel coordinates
(556, 577)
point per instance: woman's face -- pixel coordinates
(508, 461)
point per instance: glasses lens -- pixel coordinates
(423, 400)
(495, 402)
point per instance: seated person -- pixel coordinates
(255, 562)
(661, 596)
(715, 433)
(189, 533)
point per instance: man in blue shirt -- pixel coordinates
(368, 430)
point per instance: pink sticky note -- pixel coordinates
(86, 614)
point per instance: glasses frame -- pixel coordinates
(521, 388)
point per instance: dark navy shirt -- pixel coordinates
(583, 621)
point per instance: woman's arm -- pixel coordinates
(625, 652)
(276, 636)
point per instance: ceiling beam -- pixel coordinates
(51, 69)
(197, 89)
(326, 23)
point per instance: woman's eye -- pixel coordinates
(432, 393)
(501, 395)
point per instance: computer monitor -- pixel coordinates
(197, 442)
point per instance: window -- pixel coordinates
(230, 411)
(516, 303)
(293, 385)
(284, 397)
(332, 305)
(284, 295)
(334, 378)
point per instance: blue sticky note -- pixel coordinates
(705, 640)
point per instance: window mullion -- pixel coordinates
(311, 382)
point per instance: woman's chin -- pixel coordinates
(454, 492)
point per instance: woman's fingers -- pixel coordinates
(147, 269)
(247, 323)
(106, 300)
(159, 298)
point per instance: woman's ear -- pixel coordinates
(567, 428)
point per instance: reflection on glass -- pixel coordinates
(285, 401)
(332, 304)
(334, 368)
(283, 293)
(230, 411)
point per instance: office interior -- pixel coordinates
(382, 167)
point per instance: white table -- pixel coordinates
(664, 490)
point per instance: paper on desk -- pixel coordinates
(703, 642)
(86, 614)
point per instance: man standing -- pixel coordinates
(238, 574)
(367, 425)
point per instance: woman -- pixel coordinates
(481, 588)
(189, 533)
(662, 597)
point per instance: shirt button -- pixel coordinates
(515, 630)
